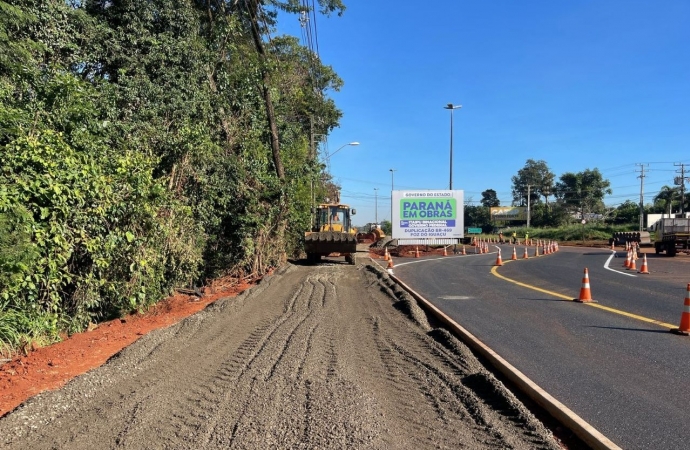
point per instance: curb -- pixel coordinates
(586, 432)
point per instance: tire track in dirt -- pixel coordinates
(331, 356)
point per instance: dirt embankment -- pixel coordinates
(331, 356)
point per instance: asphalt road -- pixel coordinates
(624, 375)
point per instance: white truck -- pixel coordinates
(672, 234)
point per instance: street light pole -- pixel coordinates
(451, 107)
(328, 160)
(392, 187)
(376, 206)
(351, 143)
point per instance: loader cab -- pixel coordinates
(334, 218)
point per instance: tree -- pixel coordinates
(539, 178)
(387, 227)
(627, 212)
(490, 199)
(666, 198)
(478, 216)
(583, 191)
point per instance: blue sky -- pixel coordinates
(578, 84)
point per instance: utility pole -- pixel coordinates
(641, 177)
(681, 182)
(528, 202)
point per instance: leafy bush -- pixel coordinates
(108, 236)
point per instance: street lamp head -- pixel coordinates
(451, 106)
(351, 143)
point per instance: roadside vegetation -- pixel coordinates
(557, 206)
(149, 145)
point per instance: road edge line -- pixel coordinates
(590, 435)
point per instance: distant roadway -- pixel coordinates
(614, 362)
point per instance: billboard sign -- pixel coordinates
(428, 214)
(501, 213)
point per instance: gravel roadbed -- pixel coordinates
(325, 356)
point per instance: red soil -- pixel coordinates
(50, 367)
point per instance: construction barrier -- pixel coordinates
(644, 268)
(585, 292)
(684, 328)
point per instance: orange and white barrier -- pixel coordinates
(585, 291)
(499, 261)
(684, 327)
(644, 268)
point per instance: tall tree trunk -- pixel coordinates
(270, 112)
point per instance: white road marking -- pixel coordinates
(606, 265)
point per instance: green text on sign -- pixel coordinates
(428, 208)
(474, 231)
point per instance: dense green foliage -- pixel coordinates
(139, 153)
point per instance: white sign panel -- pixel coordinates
(428, 214)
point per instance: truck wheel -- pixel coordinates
(671, 250)
(351, 258)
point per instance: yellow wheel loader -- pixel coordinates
(332, 233)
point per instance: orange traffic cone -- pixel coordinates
(644, 268)
(445, 252)
(463, 250)
(585, 293)
(390, 263)
(525, 255)
(536, 250)
(613, 246)
(684, 327)
(627, 260)
(514, 257)
(476, 250)
(416, 252)
(499, 262)
(386, 256)
(632, 265)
